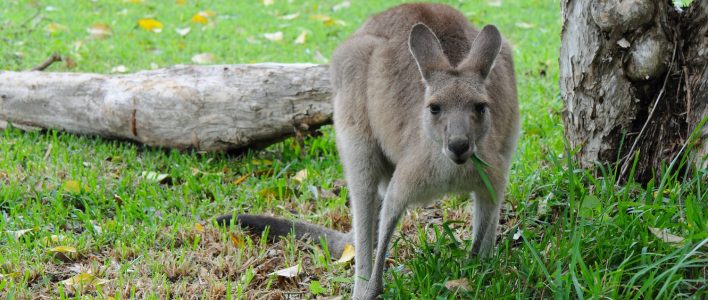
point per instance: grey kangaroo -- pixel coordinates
(418, 91)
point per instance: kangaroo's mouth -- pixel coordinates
(457, 158)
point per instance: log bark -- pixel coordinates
(208, 108)
(633, 78)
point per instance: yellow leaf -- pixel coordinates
(134, 1)
(199, 227)
(267, 2)
(264, 162)
(241, 179)
(322, 18)
(301, 38)
(269, 193)
(99, 31)
(235, 240)
(53, 239)
(300, 176)
(72, 186)
(55, 27)
(327, 20)
(150, 25)
(83, 280)
(63, 249)
(181, 2)
(347, 254)
(200, 18)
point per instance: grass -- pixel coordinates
(566, 232)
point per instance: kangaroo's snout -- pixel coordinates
(458, 149)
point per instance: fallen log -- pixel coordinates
(207, 108)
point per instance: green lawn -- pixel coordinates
(566, 232)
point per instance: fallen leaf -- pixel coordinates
(71, 186)
(52, 239)
(301, 38)
(203, 58)
(347, 254)
(524, 25)
(241, 179)
(118, 199)
(201, 17)
(288, 272)
(119, 69)
(518, 234)
(494, 3)
(155, 177)
(19, 233)
(63, 249)
(55, 27)
(327, 20)
(150, 25)
(267, 2)
(342, 5)
(183, 31)
(99, 31)
(264, 162)
(274, 36)
(665, 236)
(300, 176)
(268, 193)
(289, 17)
(235, 240)
(81, 281)
(199, 227)
(458, 285)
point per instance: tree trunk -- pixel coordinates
(633, 78)
(213, 108)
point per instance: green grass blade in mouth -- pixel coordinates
(481, 166)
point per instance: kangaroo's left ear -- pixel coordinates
(485, 49)
(427, 51)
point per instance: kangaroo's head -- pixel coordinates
(456, 114)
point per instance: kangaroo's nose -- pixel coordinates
(458, 145)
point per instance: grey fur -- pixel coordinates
(389, 77)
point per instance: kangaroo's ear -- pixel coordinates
(426, 50)
(485, 48)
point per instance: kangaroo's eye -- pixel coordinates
(481, 108)
(434, 109)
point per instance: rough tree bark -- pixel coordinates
(212, 108)
(633, 77)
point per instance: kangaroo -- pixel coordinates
(417, 92)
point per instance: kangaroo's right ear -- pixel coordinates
(485, 49)
(426, 50)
